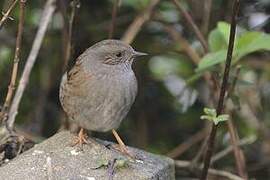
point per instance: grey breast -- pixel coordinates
(111, 101)
(101, 103)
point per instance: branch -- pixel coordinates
(206, 16)
(238, 153)
(235, 79)
(192, 24)
(224, 86)
(138, 22)
(6, 15)
(67, 51)
(214, 172)
(194, 56)
(45, 19)
(114, 13)
(180, 149)
(199, 154)
(16, 60)
(242, 142)
(184, 44)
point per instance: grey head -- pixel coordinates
(110, 53)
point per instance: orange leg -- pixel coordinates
(81, 138)
(121, 145)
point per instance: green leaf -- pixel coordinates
(224, 29)
(101, 163)
(120, 163)
(211, 115)
(210, 112)
(211, 59)
(247, 38)
(203, 117)
(251, 42)
(162, 66)
(216, 41)
(247, 43)
(221, 118)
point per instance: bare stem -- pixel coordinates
(242, 142)
(232, 88)
(194, 56)
(180, 149)
(6, 15)
(16, 60)
(44, 22)
(192, 24)
(138, 22)
(224, 86)
(214, 172)
(238, 153)
(114, 13)
(67, 52)
(206, 16)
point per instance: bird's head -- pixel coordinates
(114, 53)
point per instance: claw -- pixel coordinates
(81, 139)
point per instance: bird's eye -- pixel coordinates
(119, 54)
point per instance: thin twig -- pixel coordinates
(199, 154)
(138, 22)
(238, 153)
(181, 148)
(191, 22)
(214, 172)
(44, 22)
(206, 16)
(16, 60)
(67, 52)
(242, 142)
(6, 15)
(232, 87)
(211, 79)
(224, 85)
(114, 13)
(194, 56)
(61, 4)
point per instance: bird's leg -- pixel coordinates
(81, 138)
(121, 145)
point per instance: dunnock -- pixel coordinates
(98, 91)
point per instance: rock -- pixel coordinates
(55, 159)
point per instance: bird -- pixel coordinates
(99, 90)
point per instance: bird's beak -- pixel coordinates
(138, 54)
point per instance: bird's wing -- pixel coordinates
(77, 79)
(75, 68)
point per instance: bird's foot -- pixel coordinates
(121, 145)
(80, 139)
(123, 150)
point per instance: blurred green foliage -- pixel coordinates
(211, 115)
(246, 42)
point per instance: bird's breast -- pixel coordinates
(108, 101)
